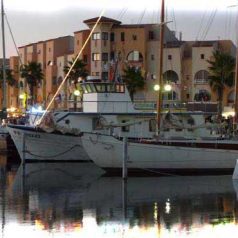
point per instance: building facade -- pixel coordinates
(111, 48)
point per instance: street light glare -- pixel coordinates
(167, 87)
(156, 87)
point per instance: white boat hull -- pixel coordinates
(108, 154)
(42, 146)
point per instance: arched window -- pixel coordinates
(135, 56)
(201, 77)
(202, 95)
(170, 76)
(170, 95)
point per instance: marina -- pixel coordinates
(124, 127)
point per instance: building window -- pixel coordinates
(49, 49)
(134, 37)
(112, 36)
(151, 35)
(122, 36)
(39, 51)
(112, 55)
(54, 80)
(169, 57)
(77, 42)
(105, 76)
(187, 95)
(125, 128)
(95, 56)
(85, 58)
(202, 56)
(104, 56)
(153, 76)
(95, 74)
(96, 36)
(104, 36)
(49, 63)
(152, 57)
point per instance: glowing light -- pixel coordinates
(167, 87)
(77, 92)
(156, 87)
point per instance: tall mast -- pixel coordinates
(236, 88)
(160, 81)
(4, 104)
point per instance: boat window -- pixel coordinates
(125, 128)
(101, 88)
(111, 88)
(120, 88)
(93, 88)
(97, 125)
(84, 88)
(152, 125)
(88, 88)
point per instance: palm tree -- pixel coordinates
(78, 71)
(10, 80)
(32, 73)
(133, 79)
(221, 74)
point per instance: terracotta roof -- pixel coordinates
(103, 19)
(75, 32)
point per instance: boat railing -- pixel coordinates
(142, 105)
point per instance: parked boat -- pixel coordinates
(163, 156)
(107, 109)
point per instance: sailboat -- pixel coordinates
(163, 156)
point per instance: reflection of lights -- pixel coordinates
(167, 206)
(155, 211)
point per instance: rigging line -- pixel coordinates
(174, 19)
(122, 13)
(206, 26)
(13, 39)
(210, 23)
(142, 16)
(71, 67)
(200, 26)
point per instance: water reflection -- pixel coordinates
(75, 200)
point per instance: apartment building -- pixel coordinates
(112, 47)
(45, 53)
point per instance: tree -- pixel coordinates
(221, 74)
(10, 80)
(133, 79)
(32, 73)
(78, 71)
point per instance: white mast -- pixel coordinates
(4, 104)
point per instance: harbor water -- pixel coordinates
(78, 200)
